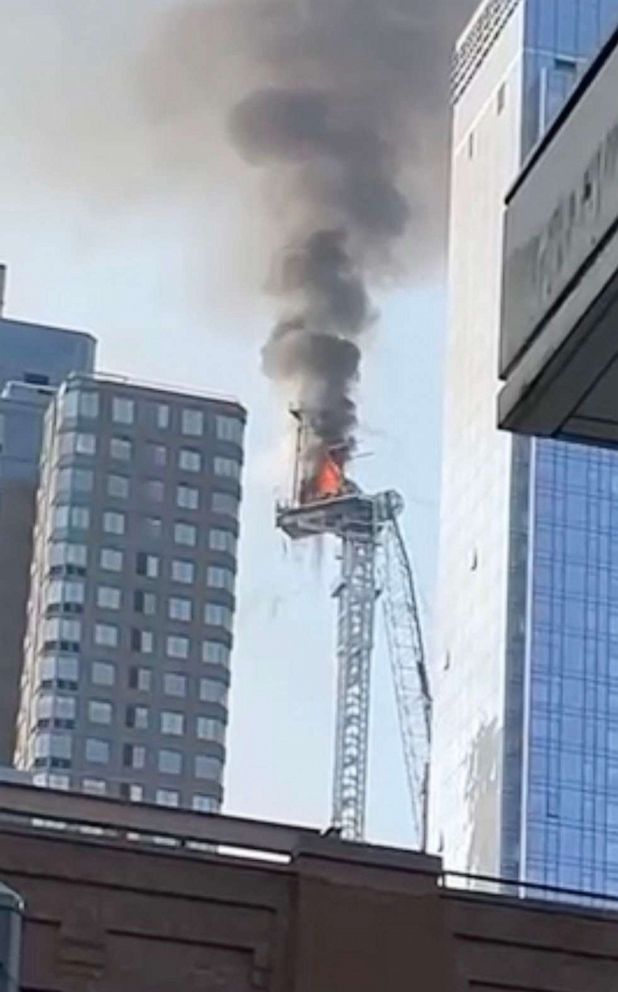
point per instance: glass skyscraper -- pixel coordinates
(524, 779)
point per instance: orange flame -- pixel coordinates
(329, 479)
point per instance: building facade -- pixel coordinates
(525, 666)
(131, 605)
(33, 362)
(129, 913)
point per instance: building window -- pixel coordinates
(109, 598)
(85, 444)
(134, 793)
(227, 468)
(77, 480)
(53, 746)
(222, 540)
(68, 554)
(208, 729)
(179, 608)
(77, 517)
(154, 490)
(167, 797)
(113, 523)
(213, 692)
(192, 423)
(144, 602)
(63, 670)
(118, 486)
(229, 429)
(216, 653)
(123, 410)
(99, 712)
(80, 444)
(157, 454)
(137, 717)
(206, 767)
(60, 709)
(187, 497)
(189, 460)
(172, 723)
(106, 635)
(147, 565)
(89, 405)
(111, 560)
(177, 646)
(162, 416)
(175, 685)
(225, 503)
(103, 673)
(140, 679)
(66, 443)
(142, 641)
(121, 449)
(153, 528)
(84, 404)
(134, 756)
(218, 577)
(170, 762)
(63, 632)
(183, 571)
(97, 751)
(185, 534)
(94, 786)
(204, 804)
(65, 593)
(216, 615)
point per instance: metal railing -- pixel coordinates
(508, 888)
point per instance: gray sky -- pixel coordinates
(172, 299)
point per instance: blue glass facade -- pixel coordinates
(560, 760)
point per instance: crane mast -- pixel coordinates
(373, 564)
(356, 596)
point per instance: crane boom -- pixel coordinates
(407, 658)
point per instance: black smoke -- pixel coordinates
(346, 130)
(341, 107)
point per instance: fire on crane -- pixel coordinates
(374, 564)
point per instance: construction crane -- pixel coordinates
(374, 565)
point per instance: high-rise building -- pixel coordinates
(131, 605)
(525, 668)
(33, 362)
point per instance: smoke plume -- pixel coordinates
(339, 107)
(346, 118)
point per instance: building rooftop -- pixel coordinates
(476, 41)
(111, 380)
(123, 895)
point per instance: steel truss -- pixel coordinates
(374, 562)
